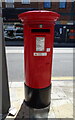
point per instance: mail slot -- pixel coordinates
(41, 30)
(38, 50)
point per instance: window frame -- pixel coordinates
(61, 6)
(22, 1)
(8, 2)
(47, 1)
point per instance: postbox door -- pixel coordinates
(40, 60)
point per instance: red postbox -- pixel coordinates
(38, 50)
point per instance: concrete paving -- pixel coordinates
(61, 101)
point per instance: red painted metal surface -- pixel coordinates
(38, 67)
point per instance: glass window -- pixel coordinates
(9, 3)
(62, 4)
(25, 1)
(47, 3)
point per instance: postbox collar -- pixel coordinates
(39, 15)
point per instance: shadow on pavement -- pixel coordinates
(26, 113)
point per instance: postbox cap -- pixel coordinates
(39, 15)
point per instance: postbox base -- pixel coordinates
(37, 98)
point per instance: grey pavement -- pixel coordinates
(61, 102)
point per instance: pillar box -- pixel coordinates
(38, 50)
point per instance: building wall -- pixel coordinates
(31, 5)
(66, 13)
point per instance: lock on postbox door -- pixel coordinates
(38, 50)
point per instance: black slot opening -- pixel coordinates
(40, 30)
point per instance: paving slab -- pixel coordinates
(61, 101)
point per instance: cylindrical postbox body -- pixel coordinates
(38, 49)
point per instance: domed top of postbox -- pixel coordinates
(39, 15)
